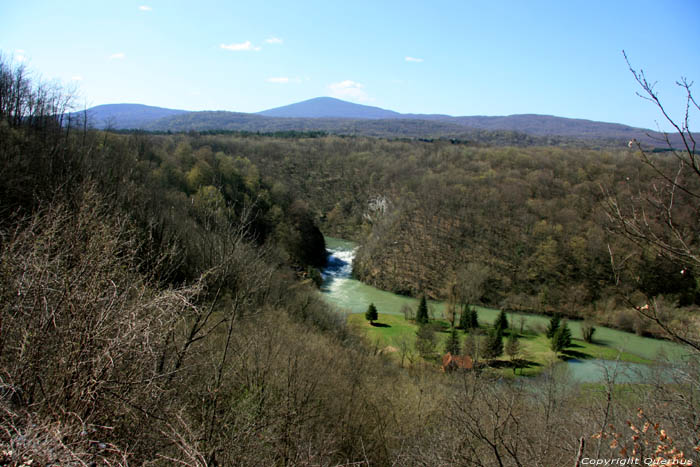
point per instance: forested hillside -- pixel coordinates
(535, 218)
(156, 307)
(154, 304)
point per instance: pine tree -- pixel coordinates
(561, 339)
(501, 322)
(464, 318)
(371, 314)
(494, 344)
(422, 313)
(553, 326)
(452, 344)
(473, 318)
(469, 318)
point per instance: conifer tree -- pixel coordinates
(553, 326)
(501, 323)
(422, 313)
(494, 344)
(464, 318)
(561, 339)
(452, 344)
(371, 314)
(473, 318)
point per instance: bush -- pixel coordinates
(587, 330)
(83, 333)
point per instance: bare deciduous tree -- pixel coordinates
(662, 215)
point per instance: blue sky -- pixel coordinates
(454, 57)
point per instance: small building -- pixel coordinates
(456, 362)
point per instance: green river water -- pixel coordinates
(352, 296)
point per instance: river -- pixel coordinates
(351, 295)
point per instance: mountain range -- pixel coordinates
(336, 116)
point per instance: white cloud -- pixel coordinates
(243, 46)
(414, 59)
(283, 80)
(350, 90)
(118, 56)
(274, 40)
(76, 78)
(19, 55)
(145, 8)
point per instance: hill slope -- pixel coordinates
(341, 117)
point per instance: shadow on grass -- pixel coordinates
(517, 363)
(441, 326)
(569, 354)
(381, 325)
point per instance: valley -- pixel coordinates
(397, 333)
(167, 297)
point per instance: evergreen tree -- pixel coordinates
(464, 318)
(501, 323)
(422, 313)
(452, 344)
(553, 326)
(371, 314)
(473, 318)
(469, 318)
(561, 339)
(494, 344)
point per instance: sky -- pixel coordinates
(463, 57)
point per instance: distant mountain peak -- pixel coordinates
(329, 107)
(332, 115)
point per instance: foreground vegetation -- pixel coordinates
(156, 309)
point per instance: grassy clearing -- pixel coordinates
(392, 332)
